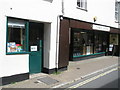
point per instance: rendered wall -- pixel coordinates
(104, 10)
(10, 64)
(47, 32)
(38, 11)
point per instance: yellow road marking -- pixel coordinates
(91, 79)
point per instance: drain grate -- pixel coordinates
(48, 80)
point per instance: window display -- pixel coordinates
(86, 42)
(16, 36)
(82, 43)
(100, 43)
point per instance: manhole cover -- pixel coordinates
(77, 68)
(48, 80)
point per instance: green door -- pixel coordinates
(35, 47)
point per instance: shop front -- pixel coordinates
(24, 49)
(25, 37)
(81, 40)
(88, 40)
(86, 43)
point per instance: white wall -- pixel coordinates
(10, 64)
(39, 10)
(15, 64)
(35, 10)
(47, 34)
(104, 10)
(2, 42)
(1, 73)
(52, 62)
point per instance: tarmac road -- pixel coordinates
(107, 79)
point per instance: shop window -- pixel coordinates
(86, 42)
(114, 44)
(82, 4)
(82, 43)
(16, 36)
(100, 42)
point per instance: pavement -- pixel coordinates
(76, 70)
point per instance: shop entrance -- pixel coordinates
(35, 47)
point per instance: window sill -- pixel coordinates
(14, 53)
(88, 55)
(82, 9)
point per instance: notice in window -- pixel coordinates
(110, 47)
(33, 48)
(88, 50)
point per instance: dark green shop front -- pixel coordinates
(86, 43)
(26, 37)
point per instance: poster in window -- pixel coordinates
(11, 46)
(110, 47)
(114, 39)
(33, 48)
(88, 50)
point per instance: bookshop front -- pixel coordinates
(82, 40)
(88, 40)
(88, 43)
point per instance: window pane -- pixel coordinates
(82, 4)
(116, 10)
(82, 43)
(16, 36)
(78, 3)
(100, 42)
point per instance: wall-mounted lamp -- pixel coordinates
(95, 18)
(61, 17)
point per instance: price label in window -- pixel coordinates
(33, 48)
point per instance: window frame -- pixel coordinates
(116, 11)
(26, 39)
(82, 5)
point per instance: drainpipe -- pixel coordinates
(62, 7)
(57, 44)
(59, 17)
(119, 14)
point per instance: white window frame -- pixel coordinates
(116, 11)
(82, 4)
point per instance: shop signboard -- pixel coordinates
(102, 28)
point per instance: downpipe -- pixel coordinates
(59, 18)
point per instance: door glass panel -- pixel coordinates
(35, 35)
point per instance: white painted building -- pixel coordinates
(103, 10)
(38, 11)
(33, 30)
